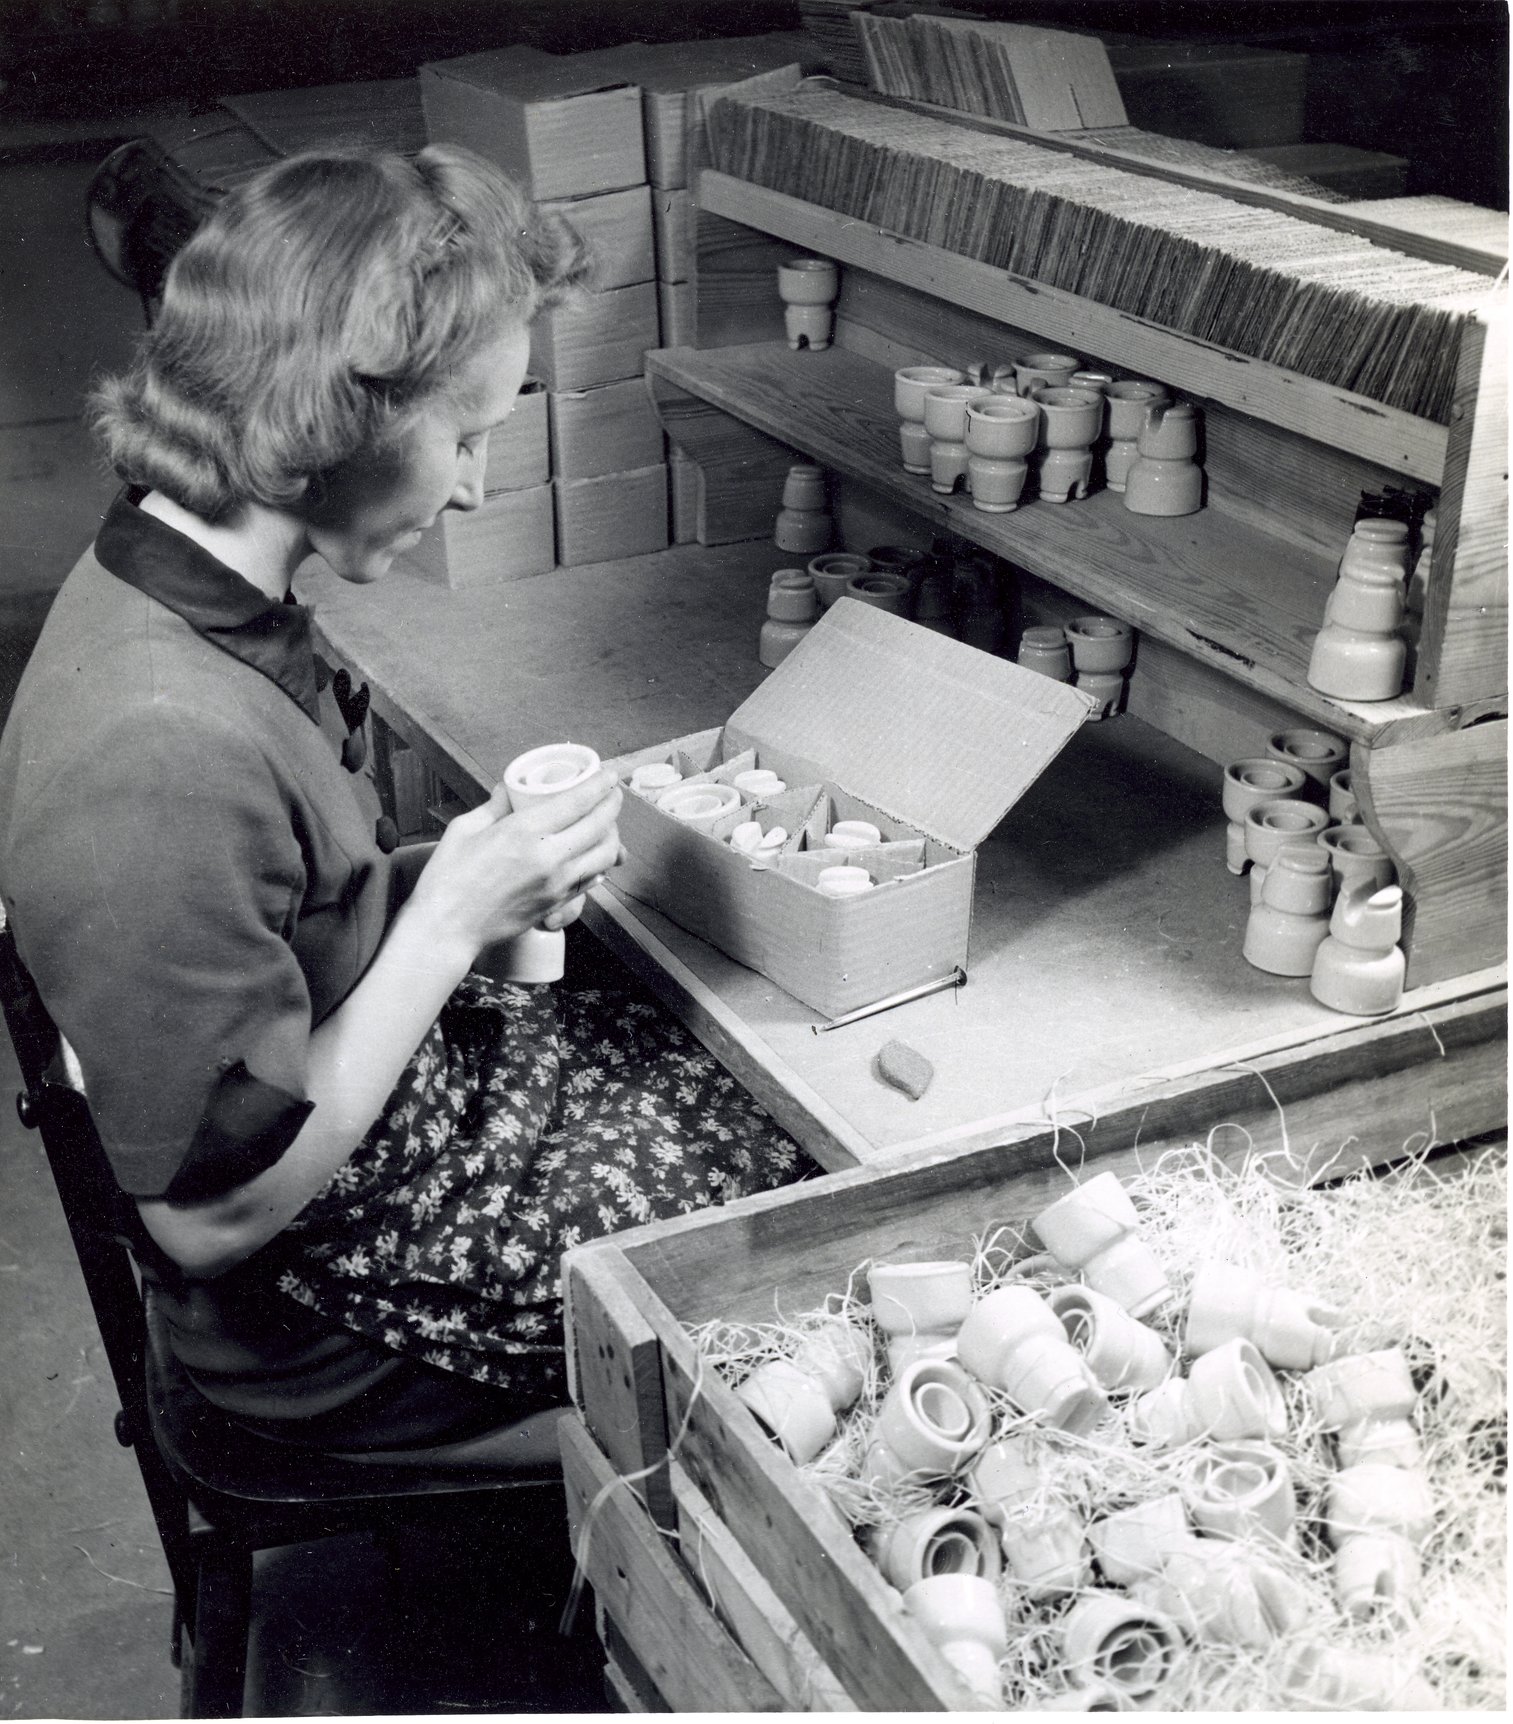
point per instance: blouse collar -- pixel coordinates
(272, 637)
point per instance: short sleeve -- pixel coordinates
(155, 880)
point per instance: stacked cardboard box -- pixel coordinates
(572, 137)
(604, 139)
(675, 78)
(509, 536)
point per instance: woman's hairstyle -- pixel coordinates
(323, 302)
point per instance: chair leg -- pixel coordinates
(170, 1510)
(222, 1620)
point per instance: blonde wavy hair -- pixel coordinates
(325, 300)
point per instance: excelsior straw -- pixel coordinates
(1415, 1258)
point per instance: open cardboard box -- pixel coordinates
(873, 718)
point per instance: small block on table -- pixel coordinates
(905, 1068)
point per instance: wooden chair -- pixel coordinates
(218, 1492)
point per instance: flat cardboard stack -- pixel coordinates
(1237, 95)
(980, 731)
(1049, 80)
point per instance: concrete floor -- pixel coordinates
(85, 1607)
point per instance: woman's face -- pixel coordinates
(379, 504)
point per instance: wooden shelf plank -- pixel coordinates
(1211, 586)
(1408, 445)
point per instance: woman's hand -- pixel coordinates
(495, 873)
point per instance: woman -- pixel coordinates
(357, 1159)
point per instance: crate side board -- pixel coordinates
(1440, 806)
(853, 1617)
(627, 1685)
(693, 1662)
(1440, 1068)
(614, 1373)
(761, 1623)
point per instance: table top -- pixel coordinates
(1105, 947)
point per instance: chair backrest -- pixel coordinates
(139, 210)
(103, 1223)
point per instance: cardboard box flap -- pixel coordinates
(529, 74)
(940, 733)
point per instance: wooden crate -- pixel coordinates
(1226, 602)
(727, 1575)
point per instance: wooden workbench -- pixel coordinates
(1106, 982)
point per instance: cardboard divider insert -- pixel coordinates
(884, 862)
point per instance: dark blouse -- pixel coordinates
(193, 878)
(195, 882)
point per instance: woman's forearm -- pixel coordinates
(356, 1058)
(492, 875)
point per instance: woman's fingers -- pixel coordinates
(486, 814)
(599, 795)
(564, 914)
(581, 867)
(597, 862)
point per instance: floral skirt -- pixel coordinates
(528, 1120)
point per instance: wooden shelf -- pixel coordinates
(1409, 445)
(1213, 587)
